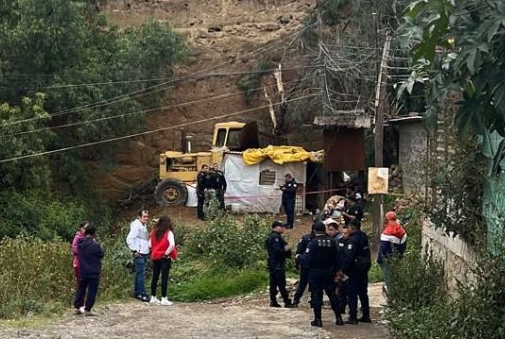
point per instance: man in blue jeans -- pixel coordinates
(138, 242)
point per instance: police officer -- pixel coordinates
(301, 265)
(288, 198)
(220, 184)
(332, 229)
(355, 266)
(201, 184)
(322, 259)
(342, 287)
(353, 211)
(278, 251)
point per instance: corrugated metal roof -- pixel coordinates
(345, 118)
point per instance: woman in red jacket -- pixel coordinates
(163, 251)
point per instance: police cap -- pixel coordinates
(278, 223)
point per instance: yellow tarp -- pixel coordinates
(280, 155)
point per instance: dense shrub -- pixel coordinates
(418, 305)
(39, 215)
(226, 242)
(37, 276)
(477, 313)
(417, 281)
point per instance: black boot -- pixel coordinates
(274, 304)
(365, 319)
(317, 322)
(351, 321)
(339, 321)
(289, 304)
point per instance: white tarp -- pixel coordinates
(192, 198)
(244, 183)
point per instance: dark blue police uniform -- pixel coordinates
(277, 267)
(322, 259)
(356, 264)
(342, 290)
(288, 201)
(355, 210)
(301, 263)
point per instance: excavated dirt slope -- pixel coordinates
(218, 32)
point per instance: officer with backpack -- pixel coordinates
(355, 267)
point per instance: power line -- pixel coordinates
(150, 131)
(155, 88)
(215, 97)
(61, 113)
(60, 86)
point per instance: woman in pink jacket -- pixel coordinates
(78, 235)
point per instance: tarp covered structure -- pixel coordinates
(256, 187)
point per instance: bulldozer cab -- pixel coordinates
(237, 136)
(227, 135)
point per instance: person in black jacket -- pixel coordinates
(356, 264)
(201, 185)
(289, 198)
(353, 211)
(220, 184)
(321, 256)
(278, 251)
(301, 265)
(342, 286)
(89, 255)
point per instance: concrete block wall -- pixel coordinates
(458, 257)
(412, 157)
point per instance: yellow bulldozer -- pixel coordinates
(178, 169)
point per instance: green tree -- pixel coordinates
(87, 71)
(32, 172)
(459, 46)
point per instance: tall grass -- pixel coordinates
(37, 276)
(223, 259)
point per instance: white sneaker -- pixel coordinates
(81, 309)
(154, 300)
(166, 302)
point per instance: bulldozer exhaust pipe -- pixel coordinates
(188, 143)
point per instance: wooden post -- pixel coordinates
(380, 107)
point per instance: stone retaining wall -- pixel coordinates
(457, 256)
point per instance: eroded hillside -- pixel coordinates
(225, 37)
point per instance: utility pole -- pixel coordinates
(380, 107)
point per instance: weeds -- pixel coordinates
(223, 259)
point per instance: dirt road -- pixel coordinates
(237, 318)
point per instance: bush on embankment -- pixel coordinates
(419, 306)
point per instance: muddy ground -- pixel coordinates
(245, 317)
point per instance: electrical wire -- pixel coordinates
(61, 113)
(155, 88)
(182, 104)
(2, 161)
